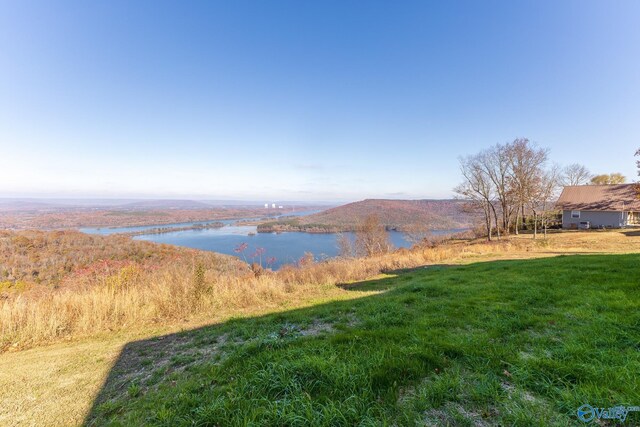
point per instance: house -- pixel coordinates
(610, 206)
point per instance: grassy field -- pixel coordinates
(496, 343)
(476, 342)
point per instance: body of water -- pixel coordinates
(136, 229)
(286, 248)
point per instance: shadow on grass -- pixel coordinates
(459, 313)
(391, 279)
(140, 361)
(632, 233)
(143, 364)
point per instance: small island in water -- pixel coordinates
(162, 230)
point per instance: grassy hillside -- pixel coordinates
(395, 214)
(50, 259)
(64, 284)
(497, 343)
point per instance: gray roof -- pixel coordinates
(600, 198)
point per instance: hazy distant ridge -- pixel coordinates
(439, 214)
(395, 214)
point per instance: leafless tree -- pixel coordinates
(526, 163)
(507, 181)
(477, 188)
(345, 246)
(372, 237)
(417, 233)
(543, 194)
(637, 185)
(575, 174)
(495, 163)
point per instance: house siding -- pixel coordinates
(597, 219)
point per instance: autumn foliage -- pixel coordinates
(60, 285)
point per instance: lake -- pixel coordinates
(287, 248)
(113, 230)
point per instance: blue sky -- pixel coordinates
(302, 100)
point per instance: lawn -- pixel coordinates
(522, 342)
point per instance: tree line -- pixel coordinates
(510, 182)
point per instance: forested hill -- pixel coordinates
(395, 214)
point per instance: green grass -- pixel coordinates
(497, 343)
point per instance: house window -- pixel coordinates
(575, 214)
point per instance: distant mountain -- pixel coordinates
(252, 203)
(166, 204)
(42, 204)
(39, 205)
(439, 214)
(25, 205)
(394, 214)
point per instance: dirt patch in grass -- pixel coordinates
(317, 328)
(454, 414)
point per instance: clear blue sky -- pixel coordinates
(304, 100)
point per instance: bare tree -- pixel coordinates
(608, 179)
(575, 174)
(637, 186)
(372, 237)
(495, 163)
(542, 196)
(477, 189)
(417, 233)
(526, 162)
(345, 246)
(509, 181)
